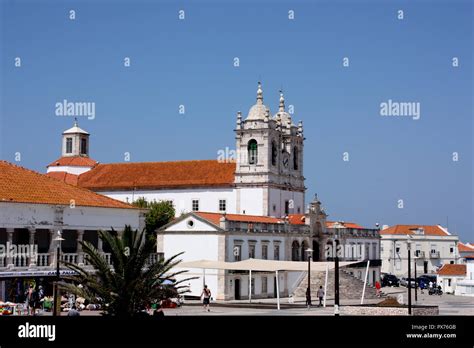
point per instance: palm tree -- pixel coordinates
(132, 282)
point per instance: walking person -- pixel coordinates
(377, 288)
(31, 300)
(320, 296)
(206, 298)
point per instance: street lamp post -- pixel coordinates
(409, 277)
(415, 258)
(336, 277)
(308, 296)
(58, 240)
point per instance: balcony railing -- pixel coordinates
(69, 257)
(43, 260)
(154, 258)
(47, 259)
(107, 256)
(21, 261)
(434, 254)
(420, 254)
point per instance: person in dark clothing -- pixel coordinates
(320, 296)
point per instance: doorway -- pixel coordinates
(237, 289)
(315, 251)
(425, 267)
(275, 287)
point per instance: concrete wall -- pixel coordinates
(182, 199)
(43, 216)
(68, 169)
(278, 198)
(195, 247)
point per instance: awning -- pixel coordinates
(262, 265)
(265, 266)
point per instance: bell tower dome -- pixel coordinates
(75, 142)
(74, 158)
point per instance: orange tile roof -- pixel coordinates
(470, 256)
(408, 229)
(452, 269)
(68, 178)
(464, 247)
(74, 161)
(330, 224)
(158, 175)
(215, 218)
(297, 219)
(21, 185)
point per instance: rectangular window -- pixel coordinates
(222, 205)
(68, 145)
(276, 252)
(251, 251)
(451, 250)
(449, 281)
(195, 205)
(237, 252)
(287, 207)
(83, 146)
(264, 285)
(265, 252)
(253, 286)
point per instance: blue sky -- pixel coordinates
(190, 62)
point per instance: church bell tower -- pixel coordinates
(269, 168)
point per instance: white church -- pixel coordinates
(252, 206)
(266, 178)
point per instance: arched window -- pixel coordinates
(274, 154)
(295, 251)
(252, 151)
(295, 158)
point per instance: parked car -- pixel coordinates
(404, 282)
(424, 281)
(390, 280)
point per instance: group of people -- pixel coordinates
(34, 297)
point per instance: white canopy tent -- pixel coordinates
(265, 266)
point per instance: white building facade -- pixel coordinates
(231, 237)
(430, 248)
(34, 208)
(465, 286)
